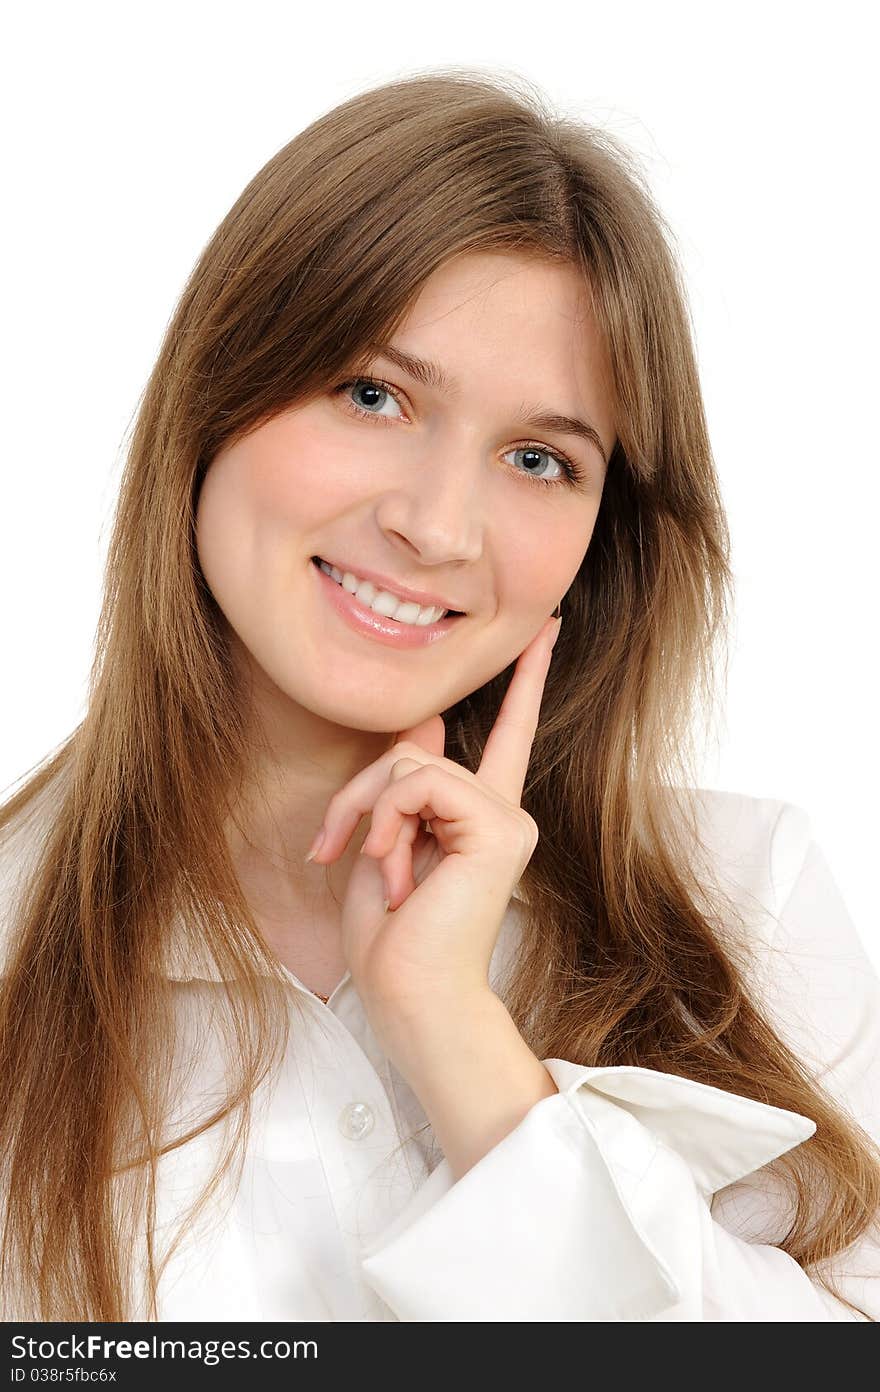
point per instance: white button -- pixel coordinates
(356, 1120)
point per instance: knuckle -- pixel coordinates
(531, 831)
(399, 767)
(406, 749)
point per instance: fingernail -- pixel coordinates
(316, 845)
(556, 634)
(385, 906)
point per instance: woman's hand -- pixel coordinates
(446, 892)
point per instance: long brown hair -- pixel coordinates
(626, 958)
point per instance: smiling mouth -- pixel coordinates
(319, 562)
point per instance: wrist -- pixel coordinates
(475, 1076)
(419, 1038)
(451, 1039)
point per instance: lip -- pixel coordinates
(385, 582)
(371, 625)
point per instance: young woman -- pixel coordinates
(540, 1031)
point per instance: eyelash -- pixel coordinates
(572, 474)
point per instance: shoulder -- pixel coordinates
(762, 840)
(754, 849)
(751, 848)
(809, 966)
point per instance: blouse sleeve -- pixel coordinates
(636, 1195)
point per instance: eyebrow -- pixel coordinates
(539, 417)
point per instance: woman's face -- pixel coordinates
(441, 490)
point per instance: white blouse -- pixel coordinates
(629, 1195)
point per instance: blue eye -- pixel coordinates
(536, 451)
(367, 385)
(571, 475)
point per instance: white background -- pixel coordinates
(128, 131)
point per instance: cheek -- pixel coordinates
(299, 474)
(541, 559)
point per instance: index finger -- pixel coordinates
(508, 748)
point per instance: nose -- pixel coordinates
(438, 514)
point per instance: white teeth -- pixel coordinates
(382, 602)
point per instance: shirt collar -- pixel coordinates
(184, 960)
